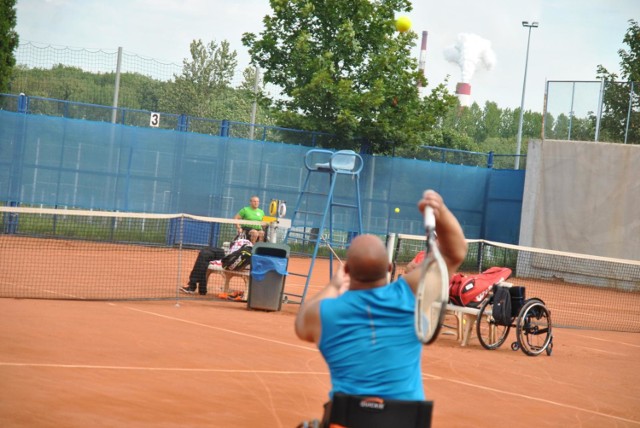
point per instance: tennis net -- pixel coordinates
(581, 291)
(96, 255)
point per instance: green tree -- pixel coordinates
(204, 90)
(621, 113)
(205, 83)
(509, 123)
(560, 129)
(8, 42)
(343, 69)
(491, 119)
(532, 125)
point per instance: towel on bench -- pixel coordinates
(261, 265)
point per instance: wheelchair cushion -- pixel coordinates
(355, 411)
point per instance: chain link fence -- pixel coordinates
(592, 111)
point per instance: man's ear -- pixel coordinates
(390, 267)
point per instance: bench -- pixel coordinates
(227, 275)
(466, 318)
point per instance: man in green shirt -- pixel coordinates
(252, 213)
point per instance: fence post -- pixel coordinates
(23, 103)
(116, 86)
(490, 160)
(182, 123)
(11, 220)
(626, 127)
(599, 113)
(224, 128)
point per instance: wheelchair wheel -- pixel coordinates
(490, 334)
(534, 328)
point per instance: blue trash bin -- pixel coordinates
(269, 264)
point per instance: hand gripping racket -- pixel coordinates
(433, 289)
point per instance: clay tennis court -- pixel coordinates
(204, 362)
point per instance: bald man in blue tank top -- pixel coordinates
(364, 326)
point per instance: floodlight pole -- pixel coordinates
(524, 86)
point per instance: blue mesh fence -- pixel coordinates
(59, 162)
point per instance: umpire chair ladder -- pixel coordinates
(309, 226)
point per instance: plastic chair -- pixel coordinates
(345, 161)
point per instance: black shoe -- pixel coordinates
(188, 290)
(202, 289)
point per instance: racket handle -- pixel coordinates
(429, 218)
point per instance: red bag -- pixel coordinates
(471, 290)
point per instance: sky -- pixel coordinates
(573, 37)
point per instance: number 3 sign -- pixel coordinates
(154, 120)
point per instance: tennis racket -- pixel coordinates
(331, 249)
(433, 289)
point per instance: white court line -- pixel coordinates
(602, 351)
(528, 397)
(573, 312)
(590, 305)
(158, 369)
(234, 332)
(55, 293)
(424, 375)
(427, 376)
(278, 372)
(609, 341)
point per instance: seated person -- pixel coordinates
(198, 276)
(385, 361)
(251, 212)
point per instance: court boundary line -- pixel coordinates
(527, 397)
(425, 376)
(226, 330)
(477, 386)
(158, 369)
(611, 341)
(326, 373)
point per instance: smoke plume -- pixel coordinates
(470, 52)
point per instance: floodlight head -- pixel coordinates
(534, 24)
(525, 23)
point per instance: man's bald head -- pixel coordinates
(367, 261)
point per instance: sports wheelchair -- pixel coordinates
(358, 411)
(530, 318)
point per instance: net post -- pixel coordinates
(480, 254)
(181, 221)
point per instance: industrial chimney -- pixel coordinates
(463, 91)
(470, 52)
(421, 65)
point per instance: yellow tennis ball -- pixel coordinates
(397, 210)
(403, 24)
